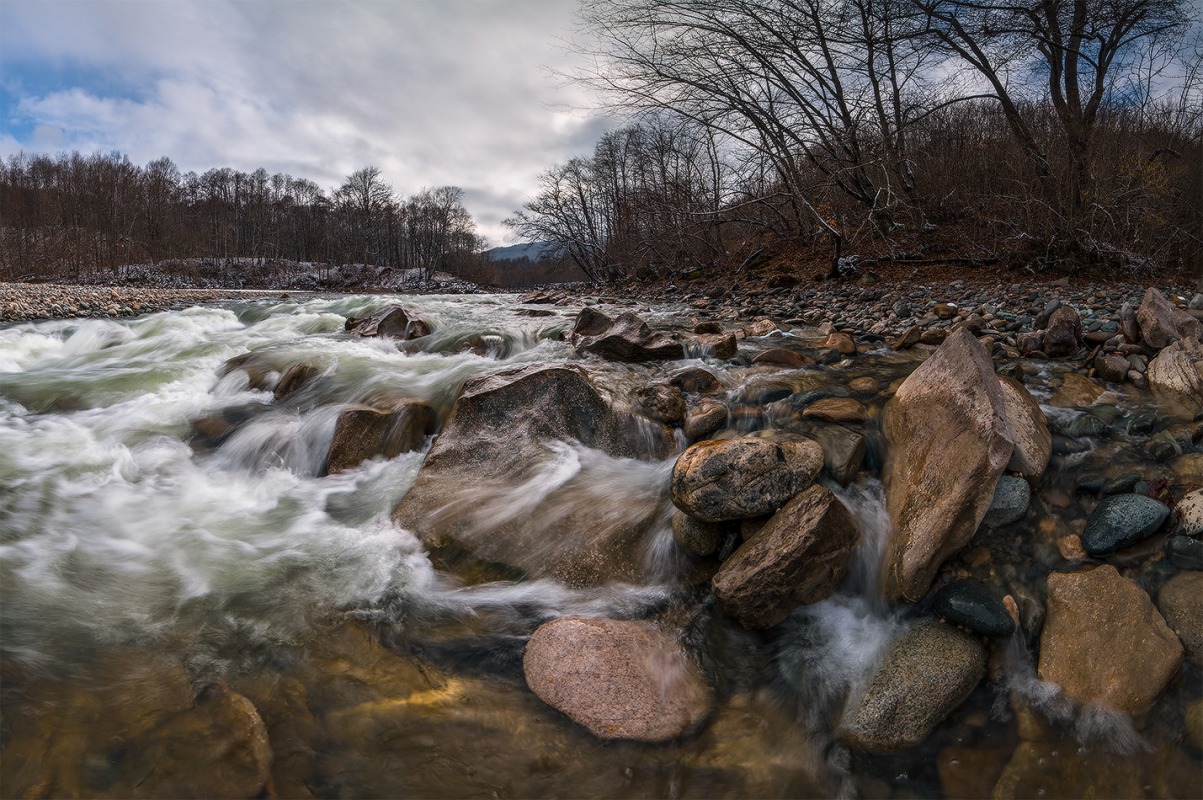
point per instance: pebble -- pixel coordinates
(25, 302)
(976, 606)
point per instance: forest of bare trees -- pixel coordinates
(1061, 133)
(77, 217)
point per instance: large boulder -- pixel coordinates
(927, 673)
(799, 557)
(624, 338)
(392, 321)
(1179, 369)
(1104, 642)
(1029, 430)
(508, 431)
(949, 443)
(619, 679)
(363, 432)
(724, 479)
(1161, 322)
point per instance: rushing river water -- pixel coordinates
(155, 586)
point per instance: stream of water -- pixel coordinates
(145, 572)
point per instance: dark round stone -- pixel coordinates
(974, 605)
(1186, 552)
(1121, 521)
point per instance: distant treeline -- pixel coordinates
(71, 216)
(1059, 133)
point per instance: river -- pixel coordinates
(181, 615)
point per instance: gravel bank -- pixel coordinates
(23, 302)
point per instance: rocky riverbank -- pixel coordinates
(25, 302)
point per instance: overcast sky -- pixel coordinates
(433, 92)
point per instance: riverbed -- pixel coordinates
(195, 615)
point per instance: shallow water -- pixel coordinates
(147, 576)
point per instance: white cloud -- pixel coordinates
(432, 91)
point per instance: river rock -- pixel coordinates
(1193, 723)
(704, 420)
(949, 442)
(1076, 391)
(799, 557)
(907, 339)
(498, 437)
(1112, 368)
(1030, 342)
(1011, 498)
(392, 322)
(363, 432)
(928, 672)
(217, 748)
(257, 367)
(1121, 521)
(1179, 369)
(1161, 322)
(843, 451)
(694, 536)
(1181, 603)
(1029, 430)
(295, 378)
(717, 345)
(1063, 337)
(746, 477)
(761, 326)
(780, 357)
(1188, 514)
(624, 338)
(619, 679)
(841, 342)
(695, 380)
(663, 402)
(976, 606)
(836, 409)
(1103, 641)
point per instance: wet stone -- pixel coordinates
(1186, 552)
(695, 537)
(1011, 499)
(1120, 521)
(843, 452)
(927, 673)
(1181, 603)
(976, 606)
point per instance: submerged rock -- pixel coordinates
(619, 679)
(624, 338)
(780, 357)
(836, 409)
(799, 557)
(695, 380)
(295, 378)
(739, 478)
(976, 606)
(927, 673)
(1103, 641)
(949, 443)
(1121, 521)
(1161, 322)
(363, 432)
(482, 490)
(663, 402)
(704, 420)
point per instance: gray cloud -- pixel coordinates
(432, 91)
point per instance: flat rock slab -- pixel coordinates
(928, 672)
(619, 679)
(1104, 642)
(799, 557)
